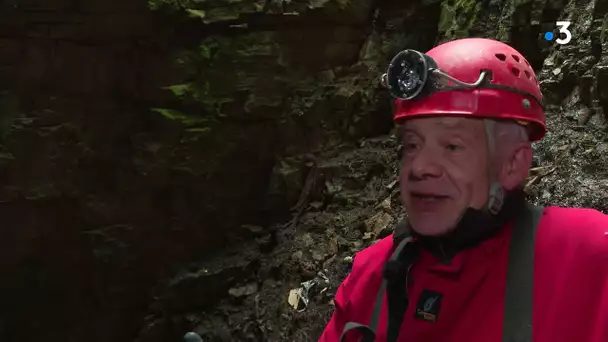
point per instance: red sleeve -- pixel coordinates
(591, 257)
(601, 322)
(600, 333)
(366, 272)
(571, 276)
(334, 328)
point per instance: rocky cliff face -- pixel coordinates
(180, 165)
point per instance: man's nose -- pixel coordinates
(425, 165)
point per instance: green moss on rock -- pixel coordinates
(209, 11)
(458, 17)
(218, 69)
(169, 4)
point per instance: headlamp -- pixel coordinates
(412, 74)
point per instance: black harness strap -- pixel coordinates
(369, 331)
(517, 326)
(396, 272)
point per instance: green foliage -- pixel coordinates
(209, 11)
(170, 114)
(202, 94)
(156, 5)
(179, 90)
(196, 93)
(214, 72)
(196, 13)
(457, 17)
(192, 124)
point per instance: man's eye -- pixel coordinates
(410, 146)
(452, 147)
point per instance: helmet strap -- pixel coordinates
(496, 193)
(496, 198)
(474, 227)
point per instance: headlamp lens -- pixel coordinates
(407, 74)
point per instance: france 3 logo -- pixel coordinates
(562, 27)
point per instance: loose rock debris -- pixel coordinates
(192, 337)
(300, 297)
(537, 173)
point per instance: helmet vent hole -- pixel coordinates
(515, 71)
(515, 57)
(501, 56)
(527, 74)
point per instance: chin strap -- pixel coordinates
(474, 227)
(496, 199)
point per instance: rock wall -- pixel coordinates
(105, 191)
(84, 230)
(152, 154)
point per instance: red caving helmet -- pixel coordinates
(457, 87)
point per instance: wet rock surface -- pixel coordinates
(179, 166)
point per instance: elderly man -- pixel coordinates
(474, 262)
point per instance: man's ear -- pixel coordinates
(515, 166)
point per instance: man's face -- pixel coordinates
(444, 170)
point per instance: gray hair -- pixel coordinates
(509, 134)
(503, 134)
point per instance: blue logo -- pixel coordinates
(548, 35)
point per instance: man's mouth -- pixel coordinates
(428, 197)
